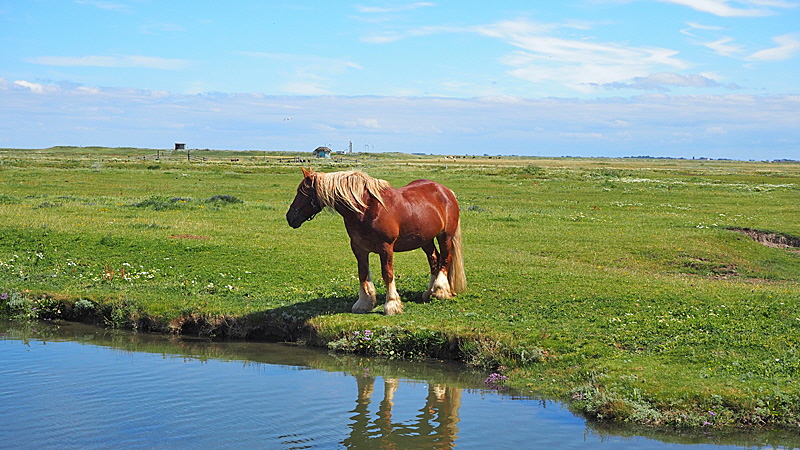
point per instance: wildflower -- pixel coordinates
(494, 380)
(4, 296)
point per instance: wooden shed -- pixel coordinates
(322, 152)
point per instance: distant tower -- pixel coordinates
(351, 147)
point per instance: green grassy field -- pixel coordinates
(618, 285)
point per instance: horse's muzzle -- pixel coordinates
(294, 218)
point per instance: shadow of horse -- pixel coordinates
(283, 323)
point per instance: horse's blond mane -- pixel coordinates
(348, 188)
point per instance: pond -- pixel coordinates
(71, 386)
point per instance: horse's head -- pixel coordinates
(305, 205)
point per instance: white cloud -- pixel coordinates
(775, 3)
(788, 47)
(733, 126)
(663, 80)
(33, 87)
(741, 8)
(304, 88)
(368, 123)
(307, 74)
(577, 63)
(723, 47)
(136, 61)
(553, 53)
(706, 36)
(386, 37)
(329, 64)
(88, 90)
(716, 130)
(690, 29)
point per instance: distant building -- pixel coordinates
(322, 152)
(180, 146)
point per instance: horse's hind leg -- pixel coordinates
(366, 290)
(440, 285)
(433, 262)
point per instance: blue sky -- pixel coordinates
(676, 78)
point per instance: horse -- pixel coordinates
(384, 220)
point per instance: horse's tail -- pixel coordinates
(456, 276)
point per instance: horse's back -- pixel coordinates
(422, 187)
(428, 194)
(428, 204)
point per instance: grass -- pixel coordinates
(618, 285)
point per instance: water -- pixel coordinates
(71, 386)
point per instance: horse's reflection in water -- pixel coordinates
(435, 426)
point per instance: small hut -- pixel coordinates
(322, 152)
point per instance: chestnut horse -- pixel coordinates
(384, 220)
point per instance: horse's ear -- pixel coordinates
(307, 173)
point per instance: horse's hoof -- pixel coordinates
(393, 308)
(426, 296)
(441, 294)
(361, 309)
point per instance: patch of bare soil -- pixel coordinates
(771, 239)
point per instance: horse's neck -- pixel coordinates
(357, 218)
(348, 214)
(341, 206)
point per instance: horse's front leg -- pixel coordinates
(393, 305)
(366, 290)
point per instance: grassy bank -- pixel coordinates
(626, 287)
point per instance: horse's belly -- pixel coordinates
(410, 243)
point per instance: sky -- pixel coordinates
(616, 78)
